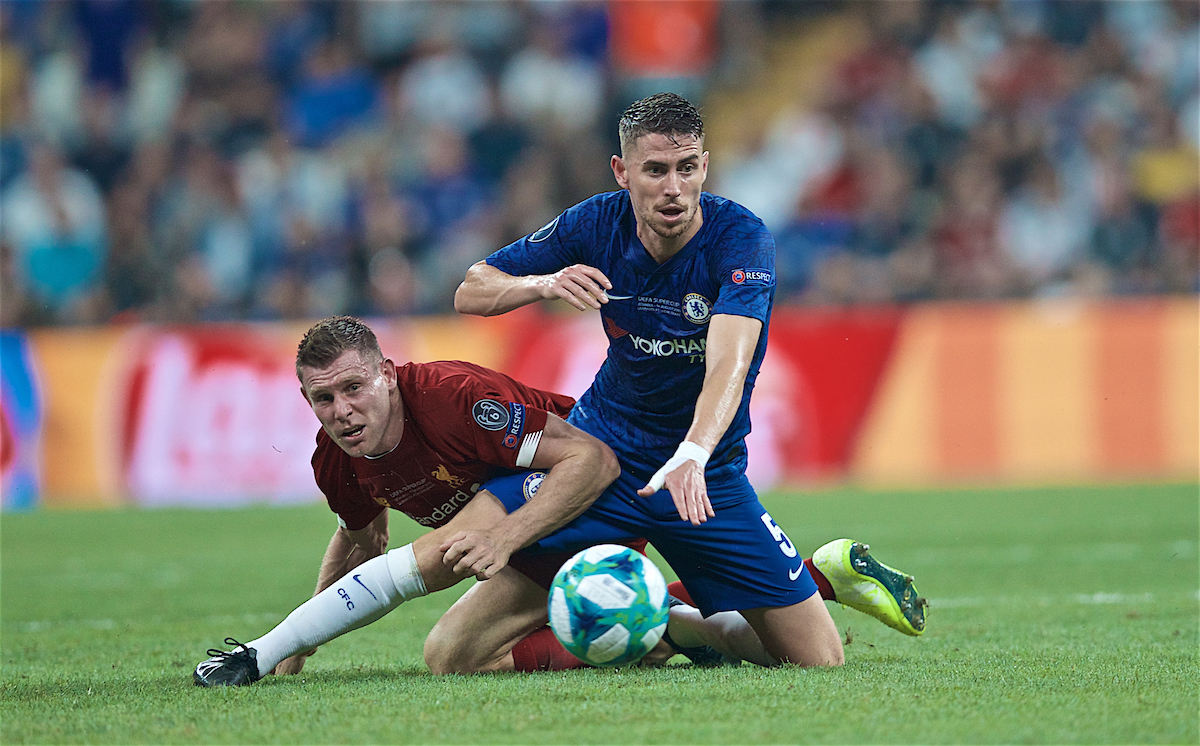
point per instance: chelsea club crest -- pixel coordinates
(696, 308)
(532, 482)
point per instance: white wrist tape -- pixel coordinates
(687, 451)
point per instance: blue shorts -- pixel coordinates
(738, 560)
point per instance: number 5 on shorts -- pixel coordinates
(785, 544)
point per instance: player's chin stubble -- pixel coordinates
(669, 231)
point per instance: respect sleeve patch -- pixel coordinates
(759, 277)
(516, 424)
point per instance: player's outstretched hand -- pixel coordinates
(477, 553)
(292, 666)
(688, 490)
(580, 285)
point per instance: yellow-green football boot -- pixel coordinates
(867, 585)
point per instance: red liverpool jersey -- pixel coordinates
(463, 425)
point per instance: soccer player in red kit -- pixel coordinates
(419, 438)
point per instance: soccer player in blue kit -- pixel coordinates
(684, 281)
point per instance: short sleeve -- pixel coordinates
(745, 265)
(512, 439)
(552, 247)
(492, 418)
(335, 476)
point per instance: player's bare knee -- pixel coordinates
(825, 656)
(440, 654)
(831, 656)
(452, 664)
(439, 665)
(826, 651)
(444, 654)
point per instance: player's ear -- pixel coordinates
(303, 391)
(704, 167)
(388, 369)
(619, 173)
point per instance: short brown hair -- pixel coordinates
(327, 339)
(661, 114)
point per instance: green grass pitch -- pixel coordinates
(1066, 615)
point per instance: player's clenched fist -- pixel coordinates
(580, 285)
(475, 553)
(683, 476)
(688, 490)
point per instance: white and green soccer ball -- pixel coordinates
(608, 605)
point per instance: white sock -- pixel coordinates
(360, 597)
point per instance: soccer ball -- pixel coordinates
(608, 605)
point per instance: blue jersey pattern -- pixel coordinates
(642, 400)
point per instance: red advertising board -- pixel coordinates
(214, 415)
(834, 360)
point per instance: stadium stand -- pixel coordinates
(179, 161)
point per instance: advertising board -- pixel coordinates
(20, 423)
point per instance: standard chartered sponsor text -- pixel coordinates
(448, 509)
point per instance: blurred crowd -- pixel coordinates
(980, 150)
(186, 161)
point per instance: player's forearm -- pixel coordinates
(717, 404)
(728, 357)
(335, 563)
(487, 291)
(349, 549)
(570, 487)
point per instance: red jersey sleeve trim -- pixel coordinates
(529, 445)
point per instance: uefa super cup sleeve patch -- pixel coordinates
(490, 414)
(541, 234)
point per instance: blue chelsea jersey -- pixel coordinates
(642, 400)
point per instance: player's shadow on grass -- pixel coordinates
(358, 675)
(354, 674)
